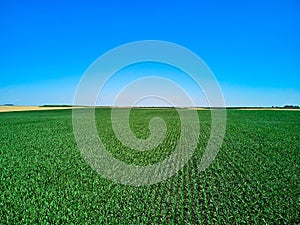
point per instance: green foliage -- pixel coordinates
(291, 107)
(56, 106)
(253, 180)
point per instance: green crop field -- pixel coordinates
(255, 178)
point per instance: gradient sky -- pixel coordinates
(252, 47)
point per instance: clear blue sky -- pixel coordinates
(252, 47)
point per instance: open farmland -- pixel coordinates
(253, 180)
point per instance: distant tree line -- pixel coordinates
(291, 107)
(8, 104)
(56, 106)
(287, 107)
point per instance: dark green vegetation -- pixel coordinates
(253, 180)
(56, 106)
(291, 107)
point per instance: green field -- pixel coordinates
(255, 178)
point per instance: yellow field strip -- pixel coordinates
(30, 108)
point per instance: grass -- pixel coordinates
(253, 180)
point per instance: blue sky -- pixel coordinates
(252, 47)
